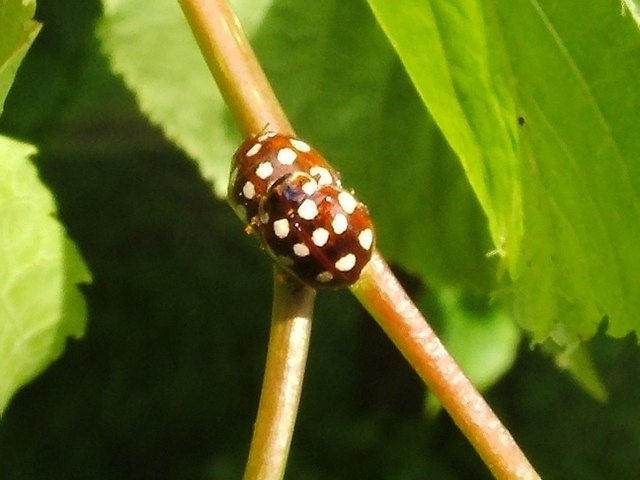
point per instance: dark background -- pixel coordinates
(166, 381)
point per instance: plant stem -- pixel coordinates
(381, 294)
(234, 66)
(284, 372)
(251, 100)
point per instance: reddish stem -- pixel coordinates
(381, 294)
(234, 66)
(282, 383)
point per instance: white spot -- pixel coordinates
(253, 150)
(264, 217)
(281, 228)
(300, 145)
(301, 250)
(324, 277)
(347, 202)
(308, 209)
(324, 177)
(266, 135)
(366, 238)
(346, 263)
(286, 156)
(264, 170)
(320, 237)
(339, 224)
(310, 187)
(249, 190)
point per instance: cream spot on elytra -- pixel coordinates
(324, 277)
(310, 187)
(347, 202)
(300, 145)
(320, 237)
(366, 238)
(253, 150)
(249, 190)
(264, 170)
(286, 156)
(339, 224)
(308, 209)
(281, 228)
(301, 250)
(346, 263)
(322, 174)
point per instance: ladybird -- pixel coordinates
(317, 231)
(262, 160)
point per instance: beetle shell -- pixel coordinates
(262, 160)
(320, 233)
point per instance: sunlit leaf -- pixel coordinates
(18, 32)
(538, 100)
(40, 305)
(149, 43)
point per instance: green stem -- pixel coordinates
(254, 105)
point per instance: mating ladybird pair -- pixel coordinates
(311, 226)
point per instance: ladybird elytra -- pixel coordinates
(324, 243)
(287, 193)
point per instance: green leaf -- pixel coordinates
(149, 43)
(40, 305)
(467, 90)
(577, 361)
(633, 8)
(484, 340)
(581, 177)
(18, 32)
(561, 190)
